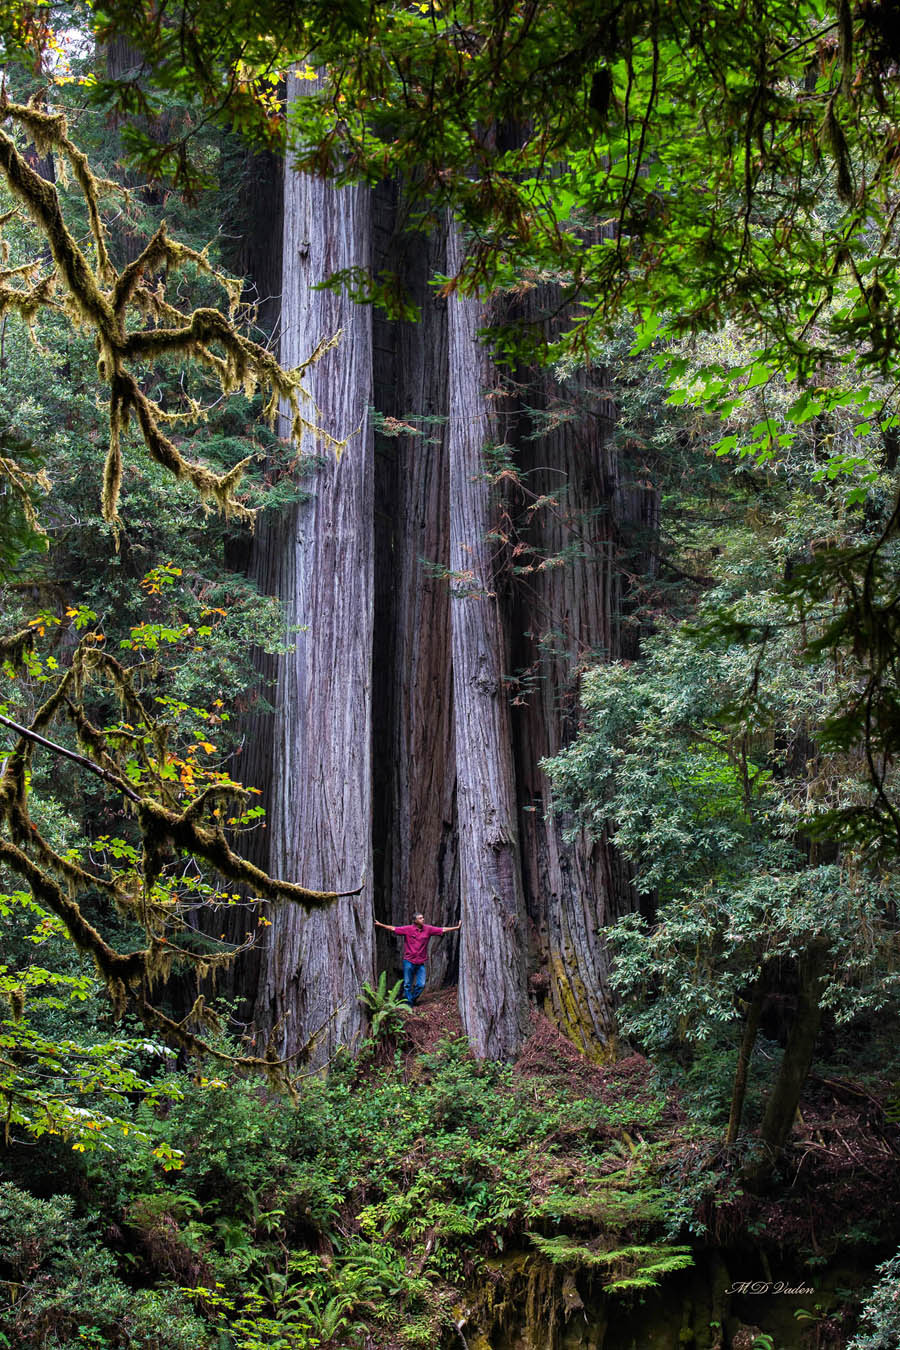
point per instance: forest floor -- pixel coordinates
(843, 1154)
(415, 1181)
(842, 1159)
(547, 1056)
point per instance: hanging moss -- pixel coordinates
(169, 821)
(97, 297)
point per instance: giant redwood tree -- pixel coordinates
(492, 991)
(318, 557)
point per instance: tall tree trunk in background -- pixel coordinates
(252, 216)
(126, 238)
(414, 765)
(322, 567)
(784, 1097)
(579, 546)
(493, 997)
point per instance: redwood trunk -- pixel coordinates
(313, 966)
(571, 593)
(415, 773)
(492, 977)
(745, 1054)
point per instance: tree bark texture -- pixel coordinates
(745, 1054)
(126, 238)
(493, 996)
(313, 966)
(453, 809)
(414, 769)
(582, 519)
(253, 212)
(781, 1108)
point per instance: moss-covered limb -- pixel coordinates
(51, 706)
(50, 132)
(25, 270)
(161, 827)
(163, 251)
(245, 364)
(216, 795)
(209, 486)
(127, 974)
(178, 1033)
(93, 743)
(274, 1067)
(29, 303)
(24, 483)
(91, 660)
(112, 465)
(42, 202)
(13, 793)
(33, 294)
(35, 738)
(89, 186)
(100, 297)
(113, 965)
(14, 646)
(88, 659)
(131, 277)
(14, 810)
(22, 830)
(163, 952)
(30, 838)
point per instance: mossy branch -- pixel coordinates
(128, 975)
(162, 828)
(169, 820)
(31, 735)
(106, 301)
(115, 967)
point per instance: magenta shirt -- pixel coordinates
(415, 941)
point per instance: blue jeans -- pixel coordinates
(413, 981)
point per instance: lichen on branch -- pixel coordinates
(173, 818)
(132, 321)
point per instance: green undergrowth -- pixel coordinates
(361, 1211)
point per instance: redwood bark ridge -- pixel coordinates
(565, 616)
(418, 781)
(313, 966)
(493, 997)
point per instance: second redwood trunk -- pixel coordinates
(493, 997)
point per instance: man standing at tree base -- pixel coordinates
(415, 936)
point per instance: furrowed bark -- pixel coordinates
(313, 966)
(414, 765)
(492, 979)
(781, 1108)
(580, 546)
(745, 1054)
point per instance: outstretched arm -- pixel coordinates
(390, 928)
(454, 927)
